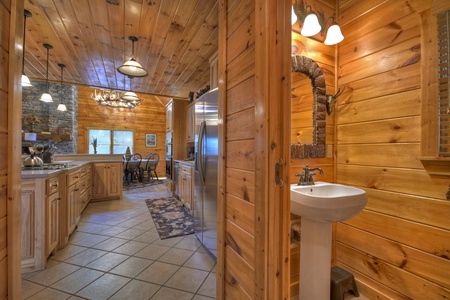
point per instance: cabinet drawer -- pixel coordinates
(73, 177)
(85, 183)
(52, 186)
(86, 170)
(186, 170)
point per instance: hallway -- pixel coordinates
(116, 253)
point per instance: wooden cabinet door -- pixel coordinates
(115, 171)
(99, 181)
(190, 130)
(189, 193)
(73, 207)
(51, 222)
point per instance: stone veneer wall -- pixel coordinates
(52, 120)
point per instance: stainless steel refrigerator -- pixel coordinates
(206, 166)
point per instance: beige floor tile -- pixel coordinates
(190, 242)
(202, 261)
(86, 257)
(104, 287)
(113, 231)
(158, 273)
(200, 297)
(208, 288)
(30, 288)
(51, 275)
(137, 290)
(90, 241)
(152, 252)
(91, 227)
(130, 234)
(110, 244)
(78, 236)
(130, 223)
(68, 252)
(176, 256)
(167, 293)
(132, 267)
(130, 248)
(77, 280)
(170, 242)
(49, 293)
(146, 225)
(76, 298)
(147, 237)
(187, 279)
(107, 261)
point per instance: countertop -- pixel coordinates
(72, 166)
(185, 162)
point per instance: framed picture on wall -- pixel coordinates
(150, 140)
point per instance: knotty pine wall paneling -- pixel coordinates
(399, 246)
(149, 117)
(251, 265)
(11, 41)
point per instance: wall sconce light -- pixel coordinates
(313, 23)
(46, 97)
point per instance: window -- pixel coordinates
(110, 141)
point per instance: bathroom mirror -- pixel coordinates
(311, 142)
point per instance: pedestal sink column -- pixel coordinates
(315, 260)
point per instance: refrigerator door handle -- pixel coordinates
(201, 137)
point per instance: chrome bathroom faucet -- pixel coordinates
(307, 177)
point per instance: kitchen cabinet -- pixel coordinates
(73, 200)
(214, 71)
(190, 125)
(107, 181)
(52, 201)
(40, 221)
(85, 186)
(186, 188)
(169, 116)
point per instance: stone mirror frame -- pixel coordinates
(311, 69)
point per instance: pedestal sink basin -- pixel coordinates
(327, 202)
(319, 206)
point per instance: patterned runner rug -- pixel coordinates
(135, 185)
(171, 218)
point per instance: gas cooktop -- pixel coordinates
(47, 166)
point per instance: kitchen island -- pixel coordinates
(53, 199)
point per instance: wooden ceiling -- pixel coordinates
(176, 40)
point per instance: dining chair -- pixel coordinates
(132, 169)
(152, 160)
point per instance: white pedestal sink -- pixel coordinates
(319, 206)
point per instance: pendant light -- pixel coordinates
(334, 34)
(132, 68)
(311, 25)
(46, 97)
(61, 105)
(25, 79)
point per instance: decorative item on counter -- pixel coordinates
(128, 154)
(32, 120)
(48, 153)
(202, 91)
(32, 160)
(94, 144)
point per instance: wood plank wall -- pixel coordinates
(399, 246)
(11, 40)
(239, 165)
(4, 53)
(149, 117)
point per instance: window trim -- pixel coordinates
(430, 159)
(111, 130)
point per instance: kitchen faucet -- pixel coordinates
(307, 177)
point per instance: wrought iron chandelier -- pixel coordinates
(116, 98)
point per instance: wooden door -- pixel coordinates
(73, 210)
(99, 181)
(114, 176)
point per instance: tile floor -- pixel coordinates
(116, 253)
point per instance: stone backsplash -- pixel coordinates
(51, 120)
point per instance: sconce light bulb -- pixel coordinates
(334, 35)
(311, 25)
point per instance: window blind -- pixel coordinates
(444, 92)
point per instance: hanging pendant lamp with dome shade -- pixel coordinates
(46, 97)
(132, 68)
(61, 105)
(25, 79)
